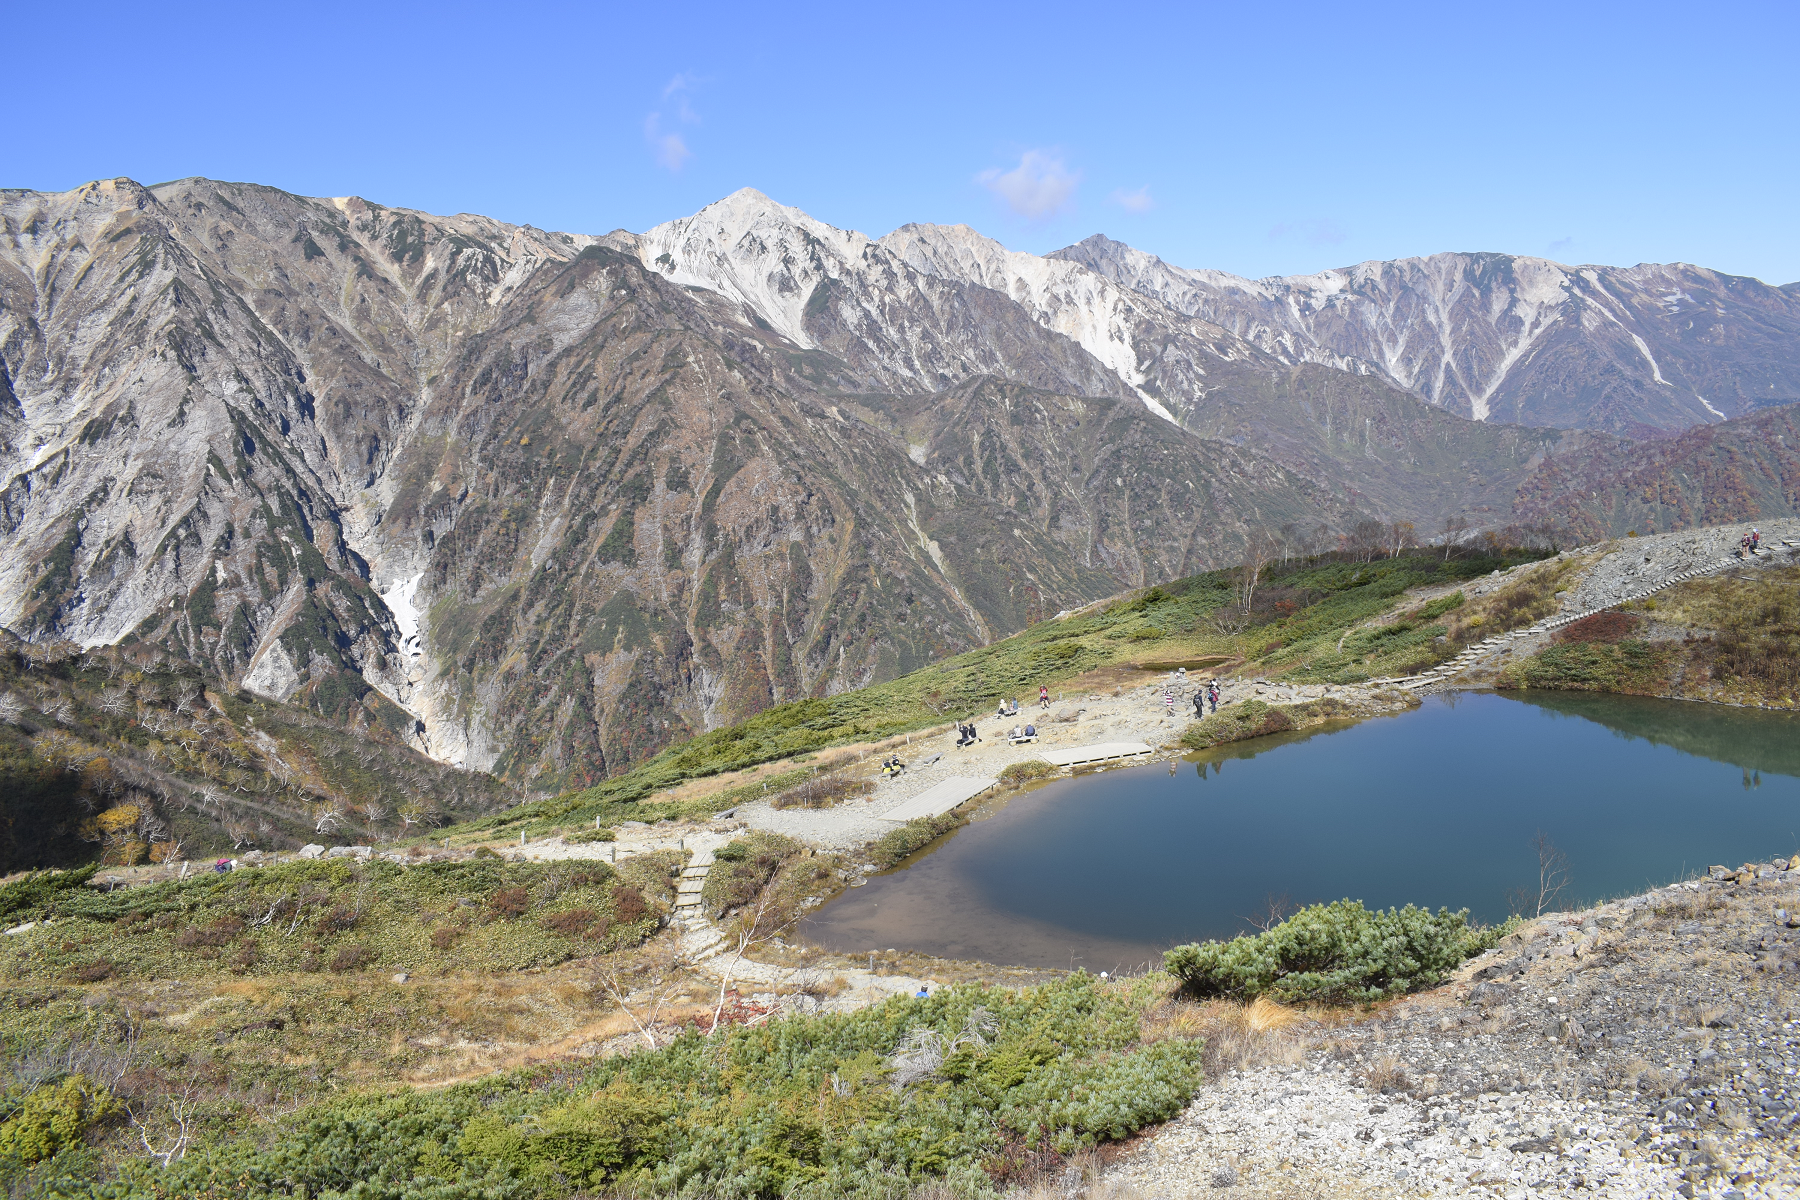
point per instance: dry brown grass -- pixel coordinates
(1238, 1036)
(1385, 1073)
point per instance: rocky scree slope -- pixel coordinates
(1631, 350)
(567, 499)
(1645, 1047)
(559, 507)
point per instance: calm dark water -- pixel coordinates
(1438, 806)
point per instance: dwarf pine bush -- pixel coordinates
(1339, 952)
(803, 1108)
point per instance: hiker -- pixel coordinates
(1200, 704)
(1044, 697)
(1015, 734)
(1012, 708)
(1000, 713)
(1755, 540)
(1030, 731)
(1212, 694)
(1169, 701)
(923, 993)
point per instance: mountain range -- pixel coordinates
(568, 498)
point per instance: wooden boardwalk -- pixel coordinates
(939, 798)
(1100, 752)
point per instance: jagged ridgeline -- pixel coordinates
(131, 755)
(561, 501)
(560, 509)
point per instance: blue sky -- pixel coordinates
(1258, 139)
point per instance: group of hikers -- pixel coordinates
(891, 767)
(1751, 543)
(1207, 693)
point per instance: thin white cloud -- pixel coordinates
(669, 149)
(1040, 186)
(679, 89)
(1559, 247)
(1138, 201)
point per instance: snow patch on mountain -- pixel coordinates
(1063, 297)
(766, 256)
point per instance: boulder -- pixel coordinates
(348, 852)
(1718, 872)
(312, 850)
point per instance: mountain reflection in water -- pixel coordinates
(1436, 807)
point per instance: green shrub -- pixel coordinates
(1440, 606)
(1339, 952)
(742, 868)
(1031, 768)
(591, 835)
(1234, 723)
(882, 1101)
(39, 887)
(53, 1118)
(891, 848)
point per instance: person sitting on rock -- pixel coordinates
(1031, 731)
(1014, 734)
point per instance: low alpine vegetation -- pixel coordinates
(1338, 953)
(955, 1088)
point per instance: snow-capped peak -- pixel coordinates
(765, 255)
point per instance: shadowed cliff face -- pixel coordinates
(561, 508)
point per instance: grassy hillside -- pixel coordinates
(1732, 638)
(1317, 619)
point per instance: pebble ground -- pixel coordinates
(1645, 1048)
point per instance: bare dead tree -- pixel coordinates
(657, 967)
(1259, 548)
(1552, 879)
(1454, 527)
(1290, 540)
(1276, 909)
(1399, 537)
(754, 927)
(172, 1141)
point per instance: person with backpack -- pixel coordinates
(1044, 697)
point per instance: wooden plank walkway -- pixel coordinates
(1100, 752)
(939, 798)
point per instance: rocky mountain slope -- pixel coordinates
(1633, 350)
(565, 499)
(1744, 469)
(559, 506)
